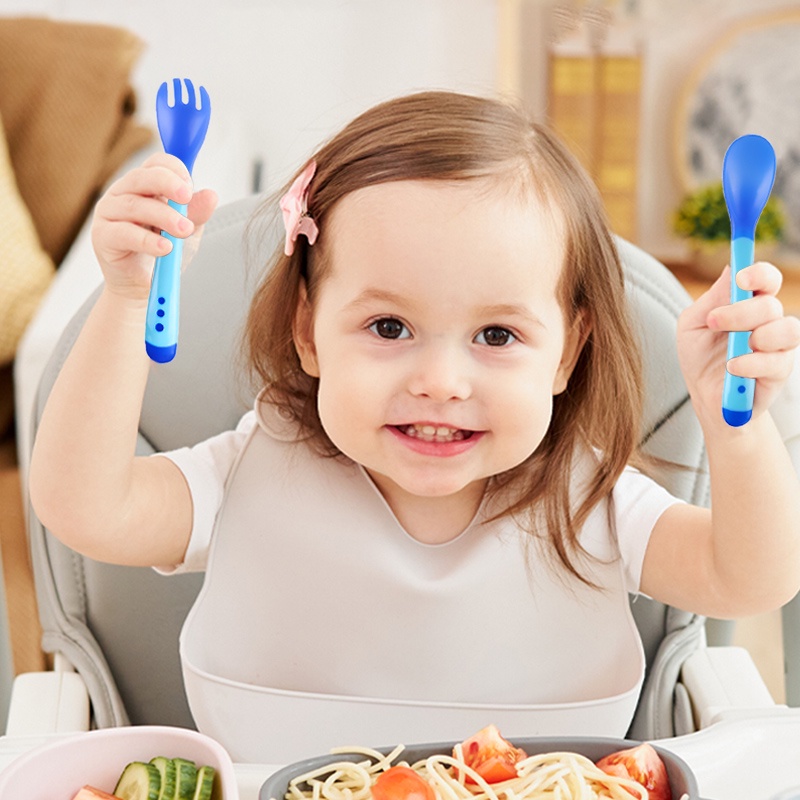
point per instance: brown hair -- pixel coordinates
(454, 137)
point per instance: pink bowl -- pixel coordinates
(58, 769)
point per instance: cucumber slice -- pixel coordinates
(139, 781)
(205, 783)
(185, 779)
(166, 766)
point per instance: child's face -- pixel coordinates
(437, 336)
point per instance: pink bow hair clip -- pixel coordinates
(295, 210)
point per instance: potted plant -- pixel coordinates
(702, 218)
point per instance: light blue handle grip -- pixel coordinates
(163, 304)
(737, 393)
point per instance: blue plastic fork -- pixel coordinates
(182, 127)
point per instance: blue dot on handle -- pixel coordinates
(161, 300)
(160, 312)
(741, 389)
(159, 327)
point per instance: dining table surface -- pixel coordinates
(745, 756)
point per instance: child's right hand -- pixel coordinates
(129, 218)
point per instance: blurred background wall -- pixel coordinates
(284, 74)
(675, 44)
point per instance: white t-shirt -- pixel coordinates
(322, 622)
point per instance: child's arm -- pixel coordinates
(85, 483)
(743, 556)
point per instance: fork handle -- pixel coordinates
(163, 303)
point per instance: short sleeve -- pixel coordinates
(638, 502)
(205, 467)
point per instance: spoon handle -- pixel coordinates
(737, 393)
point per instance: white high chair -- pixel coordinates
(114, 630)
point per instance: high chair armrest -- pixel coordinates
(48, 702)
(723, 682)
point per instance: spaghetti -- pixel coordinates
(546, 776)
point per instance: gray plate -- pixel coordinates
(681, 778)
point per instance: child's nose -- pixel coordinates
(441, 373)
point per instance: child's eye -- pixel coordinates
(390, 328)
(495, 336)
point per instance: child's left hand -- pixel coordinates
(703, 339)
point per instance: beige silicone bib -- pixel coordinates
(322, 623)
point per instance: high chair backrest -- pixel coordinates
(119, 626)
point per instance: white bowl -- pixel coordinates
(58, 769)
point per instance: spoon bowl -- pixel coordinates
(748, 173)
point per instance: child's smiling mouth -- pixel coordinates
(428, 432)
(434, 437)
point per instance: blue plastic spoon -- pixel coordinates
(183, 129)
(748, 172)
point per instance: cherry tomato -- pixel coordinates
(491, 756)
(644, 765)
(401, 783)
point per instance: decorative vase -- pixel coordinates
(707, 259)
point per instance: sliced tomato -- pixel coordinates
(644, 765)
(92, 793)
(401, 783)
(491, 756)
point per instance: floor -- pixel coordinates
(24, 629)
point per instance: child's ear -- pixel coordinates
(576, 335)
(303, 334)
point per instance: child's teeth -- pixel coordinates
(434, 433)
